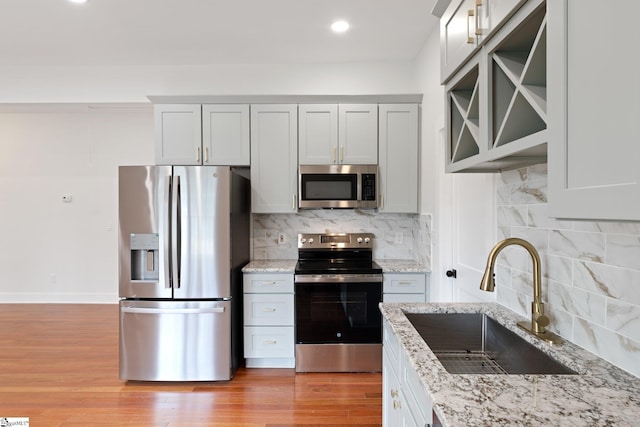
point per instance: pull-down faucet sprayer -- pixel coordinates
(539, 321)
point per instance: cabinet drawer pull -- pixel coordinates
(293, 204)
(404, 283)
(334, 155)
(268, 310)
(479, 30)
(206, 154)
(272, 283)
(269, 342)
(394, 393)
(341, 154)
(470, 14)
(396, 404)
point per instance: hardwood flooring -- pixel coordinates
(59, 367)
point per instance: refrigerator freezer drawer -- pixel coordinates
(175, 340)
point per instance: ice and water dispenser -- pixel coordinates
(144, 256)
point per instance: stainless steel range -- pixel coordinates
(338, 287)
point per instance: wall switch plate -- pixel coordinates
(282, 238)
(67, 198)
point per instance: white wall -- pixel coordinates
(54, 251)
(67, 252)
(134, 84)
(432, 158)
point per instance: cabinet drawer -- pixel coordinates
(268, 283)
(268, 342)
(391, 347)
(403, 298)
(404, 283)
(416, 396)
(265, 309)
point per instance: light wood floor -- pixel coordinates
(59, 367)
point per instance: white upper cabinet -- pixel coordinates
(594, 110)
(465, 25)
(491, 14)
(225, 135)
(274, 158)
(457, 36)
(496, 106)
(358, 134)
(398, 158)
(338, 134)
(194, 134)
(178, 134)
(318, 134)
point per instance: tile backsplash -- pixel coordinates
(591, 270)
(397, 236)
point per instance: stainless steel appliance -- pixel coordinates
(337, 291)
(183, 239)
(338, 186)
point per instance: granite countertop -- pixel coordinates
(401, 266)
(271, 266)
(600, 395)
(289, 265)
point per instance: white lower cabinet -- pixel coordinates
(404, 287)
(269, 320)
(404, 399)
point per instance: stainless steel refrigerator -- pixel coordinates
(183, 240)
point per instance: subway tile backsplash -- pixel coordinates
(591, 270)
(397, 236)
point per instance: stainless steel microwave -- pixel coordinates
(338, 186)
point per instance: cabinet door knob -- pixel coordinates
(452, 273)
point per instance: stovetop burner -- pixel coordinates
(336, 254)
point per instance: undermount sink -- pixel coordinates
(474, 343)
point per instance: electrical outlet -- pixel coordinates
(398, 238)
(282, 238)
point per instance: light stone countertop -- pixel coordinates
(289, 265)
(601, 395)
(401, 266)
(271, 266)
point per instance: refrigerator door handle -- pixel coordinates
(139, 310)
(166, 231)
(175, 233)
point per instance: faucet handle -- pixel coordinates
(540, 322)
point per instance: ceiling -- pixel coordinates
(198, 32)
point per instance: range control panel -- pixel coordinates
(335, 240)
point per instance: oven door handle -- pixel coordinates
(337, 278)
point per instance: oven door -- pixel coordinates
(337, 309)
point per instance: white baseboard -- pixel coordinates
(57, 298)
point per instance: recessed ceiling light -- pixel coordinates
(340, 26)
(77, 1)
